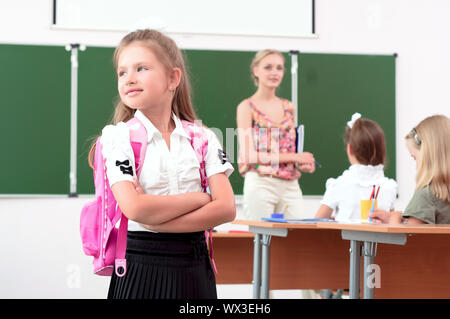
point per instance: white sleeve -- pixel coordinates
(118, 153)
(330, 197)
(216, 160)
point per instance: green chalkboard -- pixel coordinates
(35, 110)
(35, 122)
(331, 88)
(97, 96)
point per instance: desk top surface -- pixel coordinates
(233, 235)
(379, 228)
(390, 228)
(274, 224)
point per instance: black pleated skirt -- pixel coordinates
(165, 266)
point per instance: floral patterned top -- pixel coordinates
(270, 137)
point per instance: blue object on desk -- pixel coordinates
(274, 220)
(275, 215)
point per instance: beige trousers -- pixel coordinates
(264, 195)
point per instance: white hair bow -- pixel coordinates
(353, 120)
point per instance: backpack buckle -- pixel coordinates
(121, 267)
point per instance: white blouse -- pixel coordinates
(165, 171)
(343, 194)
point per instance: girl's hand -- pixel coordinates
(205, 198)
(379, 216)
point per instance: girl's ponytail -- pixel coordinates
(367, 141)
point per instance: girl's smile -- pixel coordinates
(133, 92)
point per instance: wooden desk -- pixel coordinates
(414, 261)
(308, 259)
(233, 257)
(420, 269)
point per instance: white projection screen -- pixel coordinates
(281, 18)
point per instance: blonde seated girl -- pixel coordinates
(429, 145)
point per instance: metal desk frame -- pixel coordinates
(364, 244)
(261, 258)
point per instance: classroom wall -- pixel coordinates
(39, 240)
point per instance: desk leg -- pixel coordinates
(370, 251)
(256, 265)
(370, 239)
(355, 272)
(265, 266)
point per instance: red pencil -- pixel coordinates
(373, 192)
(376, 195)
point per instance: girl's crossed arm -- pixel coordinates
(220, 210)
(155, 209)
(165, 211)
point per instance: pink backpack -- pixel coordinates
(99, 235)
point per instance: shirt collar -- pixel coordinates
(179, 129)
(152, 130)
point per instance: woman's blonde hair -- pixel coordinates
(168, 53)
(432, 137)
(258, 57)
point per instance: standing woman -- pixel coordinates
(267, 154)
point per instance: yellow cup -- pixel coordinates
(366, 206)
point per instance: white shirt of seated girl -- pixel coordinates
(344, 194)
(165, 172)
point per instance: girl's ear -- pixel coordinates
(351, 157)
(174, 78)
(349, 150)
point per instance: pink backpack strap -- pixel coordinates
(199, 142)
(138, 140)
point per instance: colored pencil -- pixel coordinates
(373, 192)
(376, 195)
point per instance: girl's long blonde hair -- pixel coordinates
(168, 53)
(432, 137)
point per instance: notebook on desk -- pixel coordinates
(298, 221)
